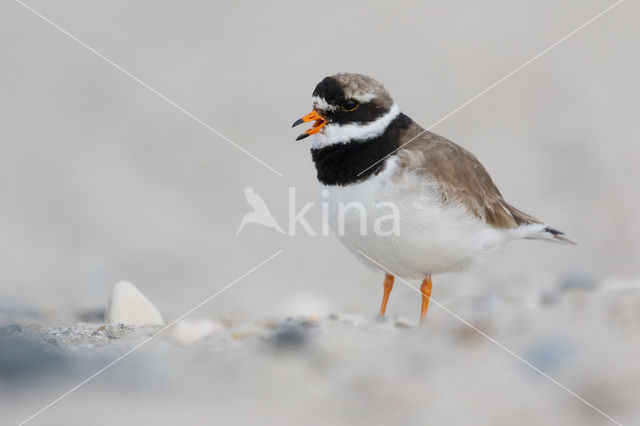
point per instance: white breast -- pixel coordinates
(431, 236)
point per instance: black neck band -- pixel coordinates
(340, 164)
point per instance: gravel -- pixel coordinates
(345, 368)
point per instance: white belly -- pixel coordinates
(431, 237)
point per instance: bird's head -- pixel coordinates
(348, 107)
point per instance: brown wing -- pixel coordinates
(462, 179)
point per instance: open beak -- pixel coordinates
(312, 116)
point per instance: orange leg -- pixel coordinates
(425, 289)
(388, 285)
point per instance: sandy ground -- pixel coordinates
(102, 180)
(343, 369)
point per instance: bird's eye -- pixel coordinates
(350, 105)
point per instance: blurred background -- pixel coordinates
(102, 180)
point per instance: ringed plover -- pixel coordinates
(449, 210)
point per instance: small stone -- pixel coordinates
(226, 320)
(403, 322)
(118, 330)
(289, 335)
(129, 306)
(577, 280)
(548, 354)
(271, 323)
(294, 331)
(243, 331)
(187, 332)
(350, 319)
(549, 298)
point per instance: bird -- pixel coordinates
(260, 214)
(446, 211)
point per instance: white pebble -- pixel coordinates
(403, 322)
(129, 306)
(187, 332)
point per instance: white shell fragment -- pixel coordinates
(129, 306)
(187, 332)
(403, 322)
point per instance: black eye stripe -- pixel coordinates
(365, 113)
(329, 90)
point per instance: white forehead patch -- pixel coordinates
(320, 103)
(333, 133)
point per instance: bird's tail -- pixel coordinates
(532, 229)
(547, 233)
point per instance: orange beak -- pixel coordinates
(312, 116)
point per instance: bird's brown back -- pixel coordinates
(460, 177)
